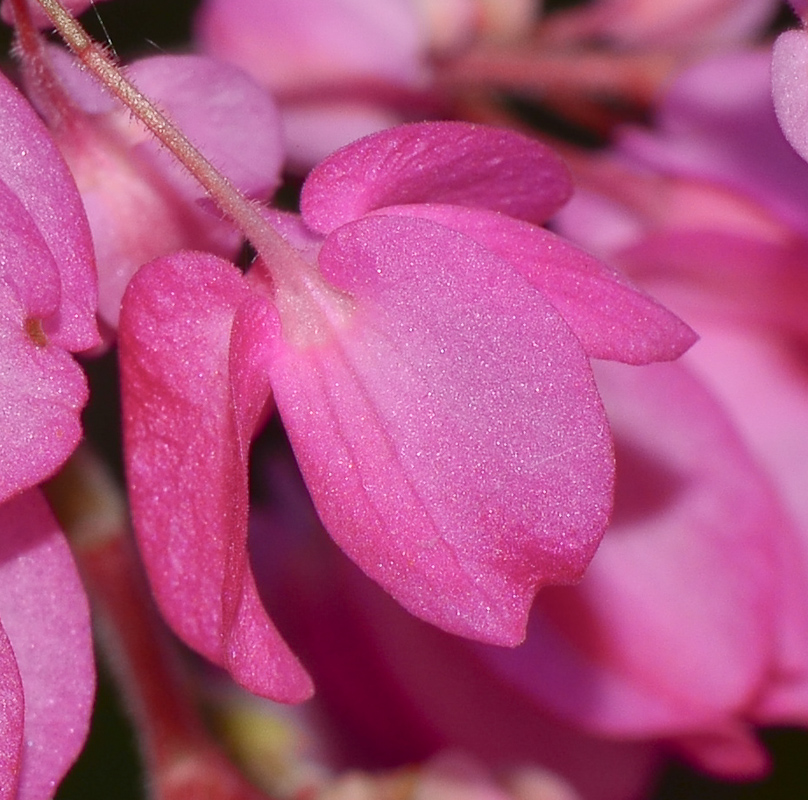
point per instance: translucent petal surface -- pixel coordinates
(437, 162)
(449, 429)
(195, 381)
(45, 615)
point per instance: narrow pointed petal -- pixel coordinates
(33, 170)
(450, 431)
(45, 614)
(194, 384)
(437, 162)
(612, 318)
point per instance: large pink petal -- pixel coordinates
(194, 382)
(612, 318)
(33, 170)
(674, 629)
(437, 162)
(44, 612)
(447, 425)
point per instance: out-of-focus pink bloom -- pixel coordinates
(428, 349)
(695, 24)
(345, 69)
(688, 625)
(47, 310)
(140, 202)
(447, 776)
(329, 64)
(723, 240)
(437, 691)
(687, 628)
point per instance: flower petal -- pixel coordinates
(34, 171)
(439, 162)
(450, 431)
(612, 318)
(42, 389)
(45, 613)
(194, 383)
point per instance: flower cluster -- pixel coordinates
(483, 452)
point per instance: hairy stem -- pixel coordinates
(244, 213)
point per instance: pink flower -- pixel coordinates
(47, 310)
(428, 352)
(708, 212)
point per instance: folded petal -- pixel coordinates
(448, 426)
(42, 389)
(33, 170)
(437, 162)
(194, 383)
(228, 116)
(612, 318)
(45, 614)
(140, 200)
